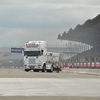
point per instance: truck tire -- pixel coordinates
(44, 68)
(26, 70)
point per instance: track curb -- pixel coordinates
(78, 72)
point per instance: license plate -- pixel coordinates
(32, 67)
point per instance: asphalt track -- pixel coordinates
(16, 84)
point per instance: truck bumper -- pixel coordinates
(33, 67)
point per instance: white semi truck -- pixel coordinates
(35, 57)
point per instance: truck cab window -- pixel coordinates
(31, 53)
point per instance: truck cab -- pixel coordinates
(35, 56)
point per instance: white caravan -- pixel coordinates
(35, 57)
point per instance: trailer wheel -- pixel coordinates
(44, 68)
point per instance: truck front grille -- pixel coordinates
(31, 61)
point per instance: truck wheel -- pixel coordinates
(26, 70)
(44, 66)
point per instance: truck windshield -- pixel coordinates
(31, 53)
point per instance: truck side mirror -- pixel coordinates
(41, 52)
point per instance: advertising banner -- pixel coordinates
(17, 50)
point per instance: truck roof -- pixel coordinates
(36, 41)
(35, 44)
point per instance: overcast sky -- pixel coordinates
(25, 20)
